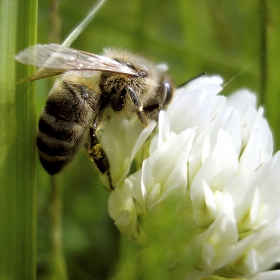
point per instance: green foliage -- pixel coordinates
(18, 27)
(219, 37)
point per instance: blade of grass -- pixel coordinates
(263, 51)
(81, 27)
(18, 27)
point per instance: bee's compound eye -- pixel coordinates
(168, 92)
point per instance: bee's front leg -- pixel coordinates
(138, 105)
(97, 153)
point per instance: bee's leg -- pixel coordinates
(152, 111)
(96, 151)
(138, 105)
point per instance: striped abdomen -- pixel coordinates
(62, 125)
(57, 142)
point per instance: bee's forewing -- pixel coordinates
(41, 74)
(60, 59)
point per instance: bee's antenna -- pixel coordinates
(198, 76)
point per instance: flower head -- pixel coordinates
(207, 193)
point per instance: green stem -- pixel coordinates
(57, 261)
(263, 52)
(55, 22)
(18, 28)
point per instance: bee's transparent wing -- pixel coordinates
(41, 74)
(56, 59)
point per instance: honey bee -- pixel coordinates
(77, 104)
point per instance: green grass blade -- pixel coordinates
(80, 28)
(18, 27)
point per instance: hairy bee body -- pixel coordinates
(77, 103)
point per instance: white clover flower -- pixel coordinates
(207, 194)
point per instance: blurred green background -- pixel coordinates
(219, 37)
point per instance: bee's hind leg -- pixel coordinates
(96, 151)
